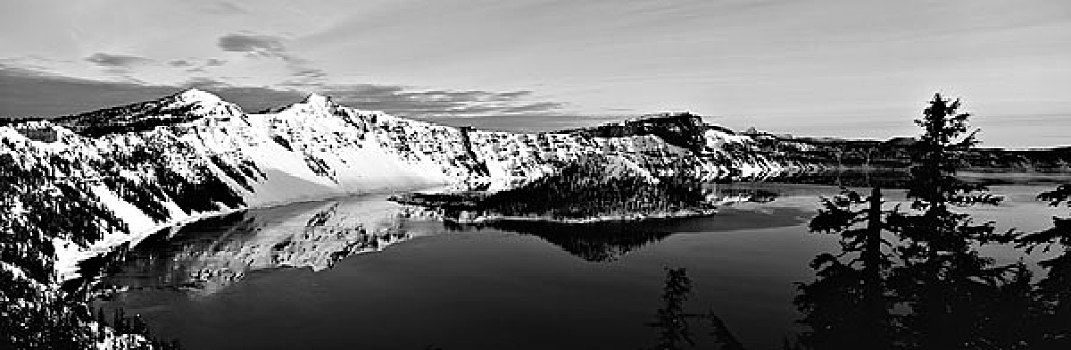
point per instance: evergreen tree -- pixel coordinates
(846, 308)
(940, 275)
(921, 260)
(1053, 329)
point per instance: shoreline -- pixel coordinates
(69, 256)
(636, 217)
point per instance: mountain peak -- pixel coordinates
(197, 95)
(317, 99)
(185, 106)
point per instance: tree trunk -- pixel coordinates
(873, 288)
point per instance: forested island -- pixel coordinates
(590, 189)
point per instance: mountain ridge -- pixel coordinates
(184, 106)
(192, 154)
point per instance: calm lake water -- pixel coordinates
(294, 276)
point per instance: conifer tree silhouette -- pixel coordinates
(921, 260)
(1053, 326)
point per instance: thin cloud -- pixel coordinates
(309, 73)
(204, 83)
(179, 63)
(256, 45)
(196, 65)
(439, 103)
(538, 107)
(220, 8)
(116, 61)
(305, 77)
(268, 46)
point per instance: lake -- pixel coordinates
(362, 272)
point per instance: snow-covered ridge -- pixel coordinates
(182, 107)
(189, 155)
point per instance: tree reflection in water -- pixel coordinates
(597, 243)
(672, 322)
(611, 240)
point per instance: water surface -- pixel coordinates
(295, 276)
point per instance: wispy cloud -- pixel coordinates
(116, 61)
(253, 44)
(439, 103)
(219, 8)
(304, 77)
(194, 65)
(179, 63)
(538, 107)
(302, 74)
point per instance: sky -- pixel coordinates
(847, 68)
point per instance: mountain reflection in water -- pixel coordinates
(206, 256)
(210, 254)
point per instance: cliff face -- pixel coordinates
(131, 170)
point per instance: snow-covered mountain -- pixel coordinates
(99, 179)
